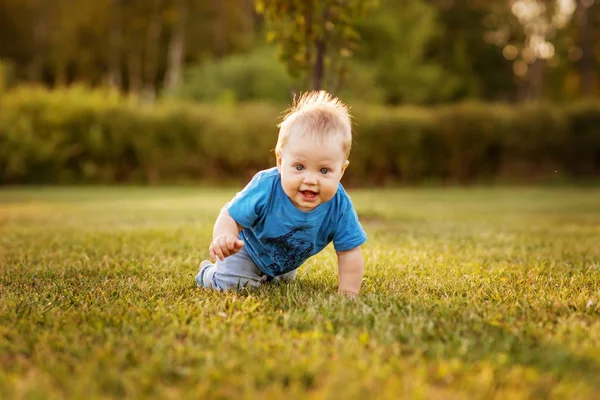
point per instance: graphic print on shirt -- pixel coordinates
(287, 251)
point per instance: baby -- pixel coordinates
(290, 212)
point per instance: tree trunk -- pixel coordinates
(308, 43)
(116, 41)
(319, 67)
(218, 28)
(535, 78)
(40, 30)
(134, 67)
(60, 73)
(152, 48)
(586, 43)
(176, 49)
(321, 47)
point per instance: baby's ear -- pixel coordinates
(279, 160)
(346, 163)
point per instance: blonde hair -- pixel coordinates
(319, 114)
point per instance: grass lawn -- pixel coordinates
(468, 293)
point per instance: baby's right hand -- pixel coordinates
(224, 246)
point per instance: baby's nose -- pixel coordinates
(310, 178)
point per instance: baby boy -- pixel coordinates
(290, 212)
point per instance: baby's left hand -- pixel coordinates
(224, 246)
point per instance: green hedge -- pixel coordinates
(80, 136)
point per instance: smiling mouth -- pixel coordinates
(309, 194)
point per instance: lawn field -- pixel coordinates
(470, 293)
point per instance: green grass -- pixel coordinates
(468, 293)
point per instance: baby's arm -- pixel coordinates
(225, 237)
(350, 266)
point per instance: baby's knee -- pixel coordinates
(233, 283)
(212, 278)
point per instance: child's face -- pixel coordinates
(310, 170)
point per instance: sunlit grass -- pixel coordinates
(468, 293)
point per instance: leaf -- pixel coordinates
(364, 338)
(271, 36)
(259, 6)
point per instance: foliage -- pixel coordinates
(582, 152)
(468, 293)
(6, 75)
(405, 51)
(239, 77)
(397, 38)
(73, 135)
(60, 41)
(78, 135)
(478, 66)
(314, 37)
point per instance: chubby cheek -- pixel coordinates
(331, 188)
(290, 183)
(327, 194)
(293, 176)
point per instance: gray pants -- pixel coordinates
(236, 272)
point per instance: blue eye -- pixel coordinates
(299, 167)
(324, 170)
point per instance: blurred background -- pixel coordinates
(187, 91)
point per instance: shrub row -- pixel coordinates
(80, 136)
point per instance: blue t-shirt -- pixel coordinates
(278, 236)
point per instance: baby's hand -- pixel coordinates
(224, 246)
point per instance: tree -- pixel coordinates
(114, 77)
(468, 47)
(152, 48)
(176, 48)
(395, 43)
(314, 36)
(586, 21)
(127, 44)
